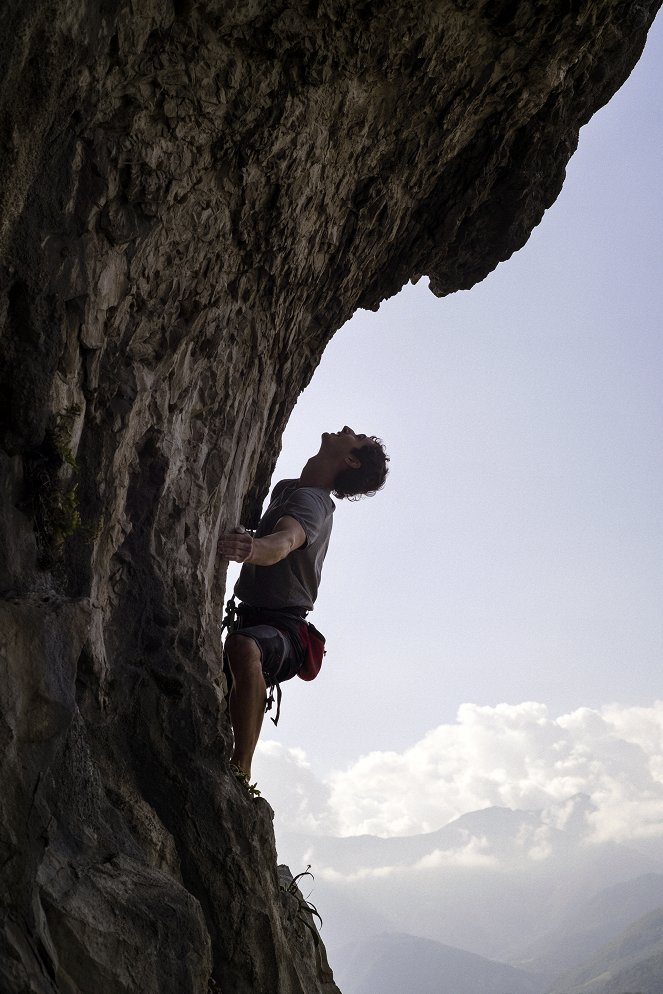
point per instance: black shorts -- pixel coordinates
(280, 651)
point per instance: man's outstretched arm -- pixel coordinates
(241, 547)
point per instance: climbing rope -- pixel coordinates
(229, 624)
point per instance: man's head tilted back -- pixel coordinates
(364, 466)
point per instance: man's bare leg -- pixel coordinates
(247, 700)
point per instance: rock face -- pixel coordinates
(194, 197)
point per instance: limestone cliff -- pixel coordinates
(194, 197)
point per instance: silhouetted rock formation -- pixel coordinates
(195, 196)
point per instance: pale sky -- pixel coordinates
(515, 552)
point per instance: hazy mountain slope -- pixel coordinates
(501, 826)
(645, 977)
(497, 882)
(396, 963)
(346, 914)
(632, 962)
(593, 925)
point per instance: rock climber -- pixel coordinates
(271, 642)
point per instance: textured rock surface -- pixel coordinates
(194, 197)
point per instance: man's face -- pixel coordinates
(344, 441)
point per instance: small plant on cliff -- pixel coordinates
(307, 910)
(52, 493)
(60, 435)
(61, 515)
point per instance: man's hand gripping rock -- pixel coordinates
(237, 545)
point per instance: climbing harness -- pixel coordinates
(231, 622)
(312, 642)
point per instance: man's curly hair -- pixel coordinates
(368, 478)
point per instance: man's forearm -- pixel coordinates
(241, 547)
(270, 549)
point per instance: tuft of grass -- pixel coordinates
(60, 435)
(307, 910)
(61, 515)
(52, 492)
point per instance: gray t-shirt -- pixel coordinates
(292, 583)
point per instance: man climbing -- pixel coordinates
(280, 576)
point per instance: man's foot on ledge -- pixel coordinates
(244, 779)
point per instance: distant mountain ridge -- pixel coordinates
(398, 963)
(525, 888)
(593, 925)
(631, 962)
(502, 826)
(498, 882)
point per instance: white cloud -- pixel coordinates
(473, 854)
(515, 756)
(365, 873)
(300, 800)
